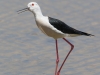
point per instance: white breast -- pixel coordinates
(44, 25)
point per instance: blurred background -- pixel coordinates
(24, 50)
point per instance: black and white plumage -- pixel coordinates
(64, 28)
(50, 26)
(53, 28)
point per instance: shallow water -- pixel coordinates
(24, 50)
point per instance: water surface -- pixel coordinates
(24, 50)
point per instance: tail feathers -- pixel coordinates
(86, 34)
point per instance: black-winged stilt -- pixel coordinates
(53, 28)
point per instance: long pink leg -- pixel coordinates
(57, 60)
(72, 46)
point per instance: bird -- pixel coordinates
(54, 28)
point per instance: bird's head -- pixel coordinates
(32, 6)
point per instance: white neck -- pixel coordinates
(37, 12)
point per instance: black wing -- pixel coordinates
(61, 26)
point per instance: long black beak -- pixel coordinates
(23, 10)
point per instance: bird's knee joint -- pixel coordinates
(57, 61)
(72, 46)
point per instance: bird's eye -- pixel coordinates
(32, 4)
